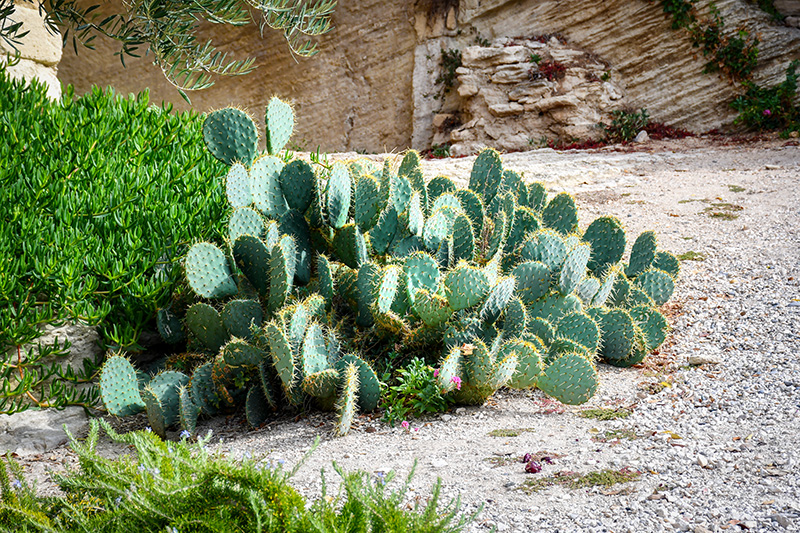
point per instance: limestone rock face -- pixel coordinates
(373, 86)
(657, 67)
(550, 91)
(39, 50)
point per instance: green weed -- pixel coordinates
(691, 256)
(509, 432)
(607, 413)
(574, 480)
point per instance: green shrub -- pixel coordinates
(417, 392)
(180, 486)
(770, 108)
(625, 125)
(98, 195)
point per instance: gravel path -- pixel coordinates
(717, 445)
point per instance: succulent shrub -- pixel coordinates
(497, 278)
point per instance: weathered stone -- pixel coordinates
(440, 118)
(28, 70)
(467, 90)
(451, 22)
(641, 137)
(34, 431)
(82, 339)
(535, 89)
(514, 73)
(479, 56)
(504, 110)
(463, 134)
(565, 100)
(792, 21)
(39, 45)
(466, 148)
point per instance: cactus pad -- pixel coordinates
(231, 136)
(237, 186)
(657, 284)
(298, 185)
(119, 388)
(280, 124)
(252, 257)
(643, 254)
(607, 238)
(265, 182)
(465, 286)
(208, 272)
(571, 379)
(561, 214)
(206, 325)
(339, 195)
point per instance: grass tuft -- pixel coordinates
(605, 413)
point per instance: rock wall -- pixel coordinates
(517, 93)
(39, 50)
(355, 94)
(373, 86)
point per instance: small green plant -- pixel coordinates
(736, 188)
(691, 255)
(451, 60)
(723, 210)
(612, 435)
(625, 124)
(535, 58)
(440, 151)
(601, 413)
(416, 393)
(509, 432)
(770, 108)
(605, 76)
(574, 480)
(181, 486)
(482, 41)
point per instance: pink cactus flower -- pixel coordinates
(405, 424)
(457, 381)
(767, 113)
(436, 372)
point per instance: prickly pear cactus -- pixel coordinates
(496, 280)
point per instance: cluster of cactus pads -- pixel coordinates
(496, 278)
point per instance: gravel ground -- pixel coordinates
(717, 444)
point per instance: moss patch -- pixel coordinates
(617, 435)
(736, 188)
(691, 255)
(605, 413)
(574, 480)
(723, 210)
(509, 432)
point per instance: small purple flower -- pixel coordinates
(117, 501)
(533, 467)
(767, 113)
(148, 429)
(380, 478)
(17, 484)
(141, 468)
(457, 381)
(185, 434)
(547, 459)
(526, 458)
